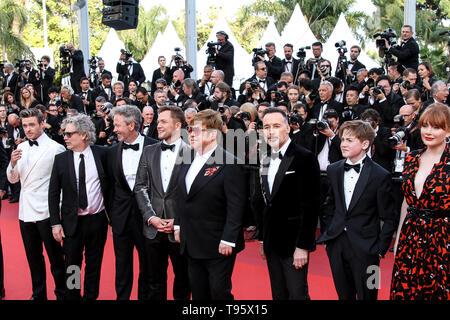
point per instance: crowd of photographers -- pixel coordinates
(317, 96)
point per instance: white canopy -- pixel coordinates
(110, 51)
(297, 31)
(242, 60)
(271, 35)
(163, 45)
(343, 32)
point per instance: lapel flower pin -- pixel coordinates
(210, 171)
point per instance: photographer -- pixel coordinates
(326, 102)
(385, 101)
(11, 80)
(413, 99)
(301, 133)
(47, 76)
(53, 96)
(190, 90)
(348, 71)
(98, 67)
(71, 100)
(205, 84)
(175, 88)
(222, 96)
(409, 81)
(225, 57)
(338, 89)
(273, 63)
(128, 69)
(290, 64)
(309, 94)
(252, 85)
(352, 109)
(118, 89)
(76, 62)
(407, 52)
(407, 132)
(312, 63)
(99, 118)
(180, 64)
(162, 72)
(160, 98)
(143, 98)
(30, 75)
(278, 93)
(324, 69)
(394, 72)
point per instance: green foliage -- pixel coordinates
(438, 59)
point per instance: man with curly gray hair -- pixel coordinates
(81, 222)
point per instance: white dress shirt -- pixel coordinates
(167, 163)
(322, 157)
(350, 179)
(93, 187)
(275, 165)
(196, 166)
(130, 161)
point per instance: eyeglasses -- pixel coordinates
(69, 134)
(406, 115)
(195, 130)
(262, 68)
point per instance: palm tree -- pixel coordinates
(13, 18)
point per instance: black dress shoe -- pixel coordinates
(37, 298)
(2, 294)
(5, 197)
(13, 200)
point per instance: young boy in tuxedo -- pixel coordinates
(360, 197)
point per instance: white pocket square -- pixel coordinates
(289, 172)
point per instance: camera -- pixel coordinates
(3, 131)
(40, 65)
(340, 44)
(213, 44)
(301, 51)
(211, 52)
(178, 58)
(319, 125)
(406, 84)
(64, 52)
(396, 139)
(370, 83)
(64, 55)
(221, 109)
(313, 95)
(296, 120)
(258, 52)
(106, 108)
(259, 125)
(278, 96)
(93, 62)
(224, 118)
(378, 90)
(348, 115)
(254, 84)
(20, 65)
(389, 34)
(324, 71)
(127, 54)
(245, 116)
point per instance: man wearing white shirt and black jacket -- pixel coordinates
(360, 199)
(31, 164)
(128, 69)
(156, 194)
(212, 195)
(81, 222)
(126, 220)
(288, 223)
(290, 64)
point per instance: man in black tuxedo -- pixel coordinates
(407, 52)
(360, 198)
(128, 69)
(72, 100)
(353, 65)
(149, 123)
(287, 226)
(11, 80)
(352, 110)
(326, 101)
(222, 97)
(290, 64)
(260, 77)
(99, 73)
(273, 63)
(212, 200)
(81, 222)
(205, 84)
(225, 57)
(312, 63)
(47, 76)
(439, 94)
(104, 89)
(30, 75)
(126, 221)
(3, 188)
(76, 62)
(156, 193)
(87, 95)
(302, 131)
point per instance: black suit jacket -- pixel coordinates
(331, 104)
(225, 62)
(76, 103)
(137, 75)
(213, 210)
(289, 218)
(152, 131)
(90, 98)
(274, 68)
(372, 202)
(407, 54)
(157, 74)
(340, 73)
(12, 85)
(389, 108)
(100, 91)
(63, 179)
(269, 81)
(123, 202)
(383, 155)
(295, 69)
(78, 65)
(334, 150)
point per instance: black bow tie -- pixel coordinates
(348, 166)
(31, 142)
(165, 147)
(276, 155)
(135, 147)
(263, 81)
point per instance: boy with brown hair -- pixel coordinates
(360, 197)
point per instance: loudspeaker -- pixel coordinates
(121, 15)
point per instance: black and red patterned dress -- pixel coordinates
(421, 267)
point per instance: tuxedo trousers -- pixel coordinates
(159, 250)
(33, 235)
(2, 275)
(210, 279)
(124, 244)
(286, 282)
(350, 272)
(90, 238)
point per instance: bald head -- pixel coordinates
(13, 120)
(178, 75)
(148, 114)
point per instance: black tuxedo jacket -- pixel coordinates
(214, 105)
(123, 202)
(383, 155)
(198, 97)
(4, 161)
(152, 131)
(334, 151)
(76, 103)
(149, 188)
(269, 81)
(63, 179)
(137, 75)
(389, 108)
(12, 85)
(225, 62)
(274, 68)
(47, 80)
(100, 91)
(157, 74)
(372, 202)
(295, 69)
(10, 131)
(214, 208)
(407, 54)
(331, 104)
(304, 137)
(340, 73)
(290, 214)
(90, 98)
(78, 65)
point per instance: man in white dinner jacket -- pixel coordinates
(31, 164)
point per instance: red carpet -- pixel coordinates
(250, 276)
